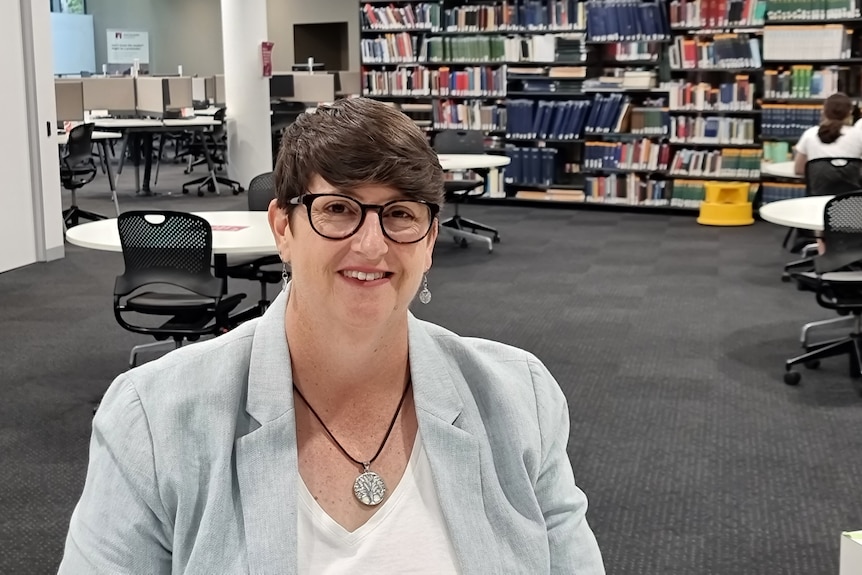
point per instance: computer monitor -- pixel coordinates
(281, 86)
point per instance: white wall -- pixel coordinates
(188, 32)
(30, 218)
(17, 224)
(45, 166)
(283, 14)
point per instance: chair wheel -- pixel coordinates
(785, 277)
(813, 364)
(185, 191)
(792, 378)
(187, 171)
(496, 239)
(462, 242)
(200, 193)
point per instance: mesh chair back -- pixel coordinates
(833, 176)
(842, 232)
(218, 132)
(460, 142)
(166, 242)
(261, 191)
(80, 144)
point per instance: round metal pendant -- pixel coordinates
(425, 295)
(369, 488)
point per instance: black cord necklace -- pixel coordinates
(369, 487)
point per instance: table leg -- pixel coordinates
(220, 270)
(122, 155)
(210, 164)
(103, 147)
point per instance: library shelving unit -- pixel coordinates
(624, 103)
(811, 49)
(715, 68)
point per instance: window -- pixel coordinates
(69, 6)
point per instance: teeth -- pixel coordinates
(363, 276)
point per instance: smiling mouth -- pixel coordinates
(366, 276)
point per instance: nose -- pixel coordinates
(369, 239)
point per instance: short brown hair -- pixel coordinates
(355, 142)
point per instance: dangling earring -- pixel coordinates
(285, 276)
(425, 293)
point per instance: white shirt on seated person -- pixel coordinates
(810, 147)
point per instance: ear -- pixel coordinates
(431, 239)
(279, 223)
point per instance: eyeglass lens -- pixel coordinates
(337, 217)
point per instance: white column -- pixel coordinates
(246, 90)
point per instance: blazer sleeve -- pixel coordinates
(119, 524)
(573, 547)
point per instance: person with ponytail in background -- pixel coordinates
(835, 137)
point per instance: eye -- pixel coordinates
(400, 213)
(337, 207)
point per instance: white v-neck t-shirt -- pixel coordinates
(406, 535)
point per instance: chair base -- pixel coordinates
(461, 237)
(850, 346)
(156, 345)
(209, 182)
(458, 223)
(73, 215)
(835, 322)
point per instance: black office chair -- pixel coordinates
(167, 256)
(838, 273)
(77, 169)
(823, 177)
(458, 191)
(267, 269)
(217, 145)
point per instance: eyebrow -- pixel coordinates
(352, 194)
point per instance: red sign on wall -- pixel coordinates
(266, 58)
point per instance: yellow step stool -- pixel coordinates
(726, 204)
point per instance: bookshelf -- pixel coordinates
(623, 104)
(811, 49)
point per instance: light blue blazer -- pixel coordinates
(193, 464)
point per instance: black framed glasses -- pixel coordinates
(336, 217)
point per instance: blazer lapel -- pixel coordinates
(452, 451)
(266, 460)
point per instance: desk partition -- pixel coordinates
(116, 95)
(69, 97)
(199, 89)
(349, 83)
(312, 87)
(214, 89)
(157, 97)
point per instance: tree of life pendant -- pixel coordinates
(369, 487)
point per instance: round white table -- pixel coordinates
(451, 162)
(234, 233)
(780, 170)
(801, 213)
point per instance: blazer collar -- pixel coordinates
(266, 457)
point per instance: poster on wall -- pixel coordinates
(125, 46)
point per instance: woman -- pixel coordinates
(338, 433)
(833, 138)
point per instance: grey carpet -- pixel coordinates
(667, 337)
